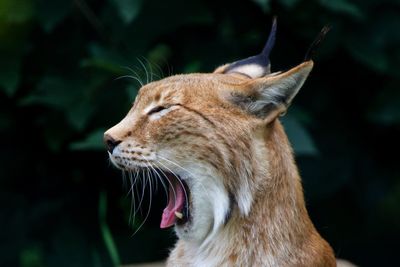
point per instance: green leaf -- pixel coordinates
(9, 74)
(343, 7)
(299, 137)
(105, 59)
(159, 55)
(93, 141)
(52, 12)
(14, 31)
(79, 115)
(66, 95)
(289, 3)
(128, 9)
(16, 11)
(376, 46)
(100, 52)
(386, 109)
(264, 4)
(31, 257)
(54, 92)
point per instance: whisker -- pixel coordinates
(162, 182)
(176, 164)
(160, 178)
(142, 196)
(133, 206)
(136, 75)
(137, 193)
(190, 173)
(170, 183)
(137, 177)
(133, 182)
(151, 69)
(131, 77)
(145, 69)
(124, 180)
(154, 179)
(150, 203)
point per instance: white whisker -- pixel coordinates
(190, 173)
(133, 206)
(144, 183)
(163, 184)
(131, 77)
(151, 69)
(145, 69)
(150, 202)
(160, 178)
(137, 76)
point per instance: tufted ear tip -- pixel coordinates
(255, 66)
(317, 41)
(271, 38)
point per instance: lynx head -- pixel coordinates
(203, 134)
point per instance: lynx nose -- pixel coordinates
(110, 142)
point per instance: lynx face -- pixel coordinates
(183, 128)
(203, 134)
(204, 137)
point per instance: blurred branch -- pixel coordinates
(91, 17)
(105, 230)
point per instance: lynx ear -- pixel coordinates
(255, 66)
(270, 96)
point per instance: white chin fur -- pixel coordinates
(210, 204)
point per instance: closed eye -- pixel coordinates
(156, 109)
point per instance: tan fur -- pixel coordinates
(251, 157)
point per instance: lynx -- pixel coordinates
(215, 139)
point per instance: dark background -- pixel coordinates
(63, 204)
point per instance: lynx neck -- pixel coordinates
(276, 232)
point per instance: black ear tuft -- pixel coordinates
(317, 41)
(259, 65)
(271, 40)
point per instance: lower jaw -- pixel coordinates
(193, 232)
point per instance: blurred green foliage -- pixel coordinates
(59, 90)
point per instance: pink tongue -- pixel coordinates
(175, 203)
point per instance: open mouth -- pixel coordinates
(177, 209)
